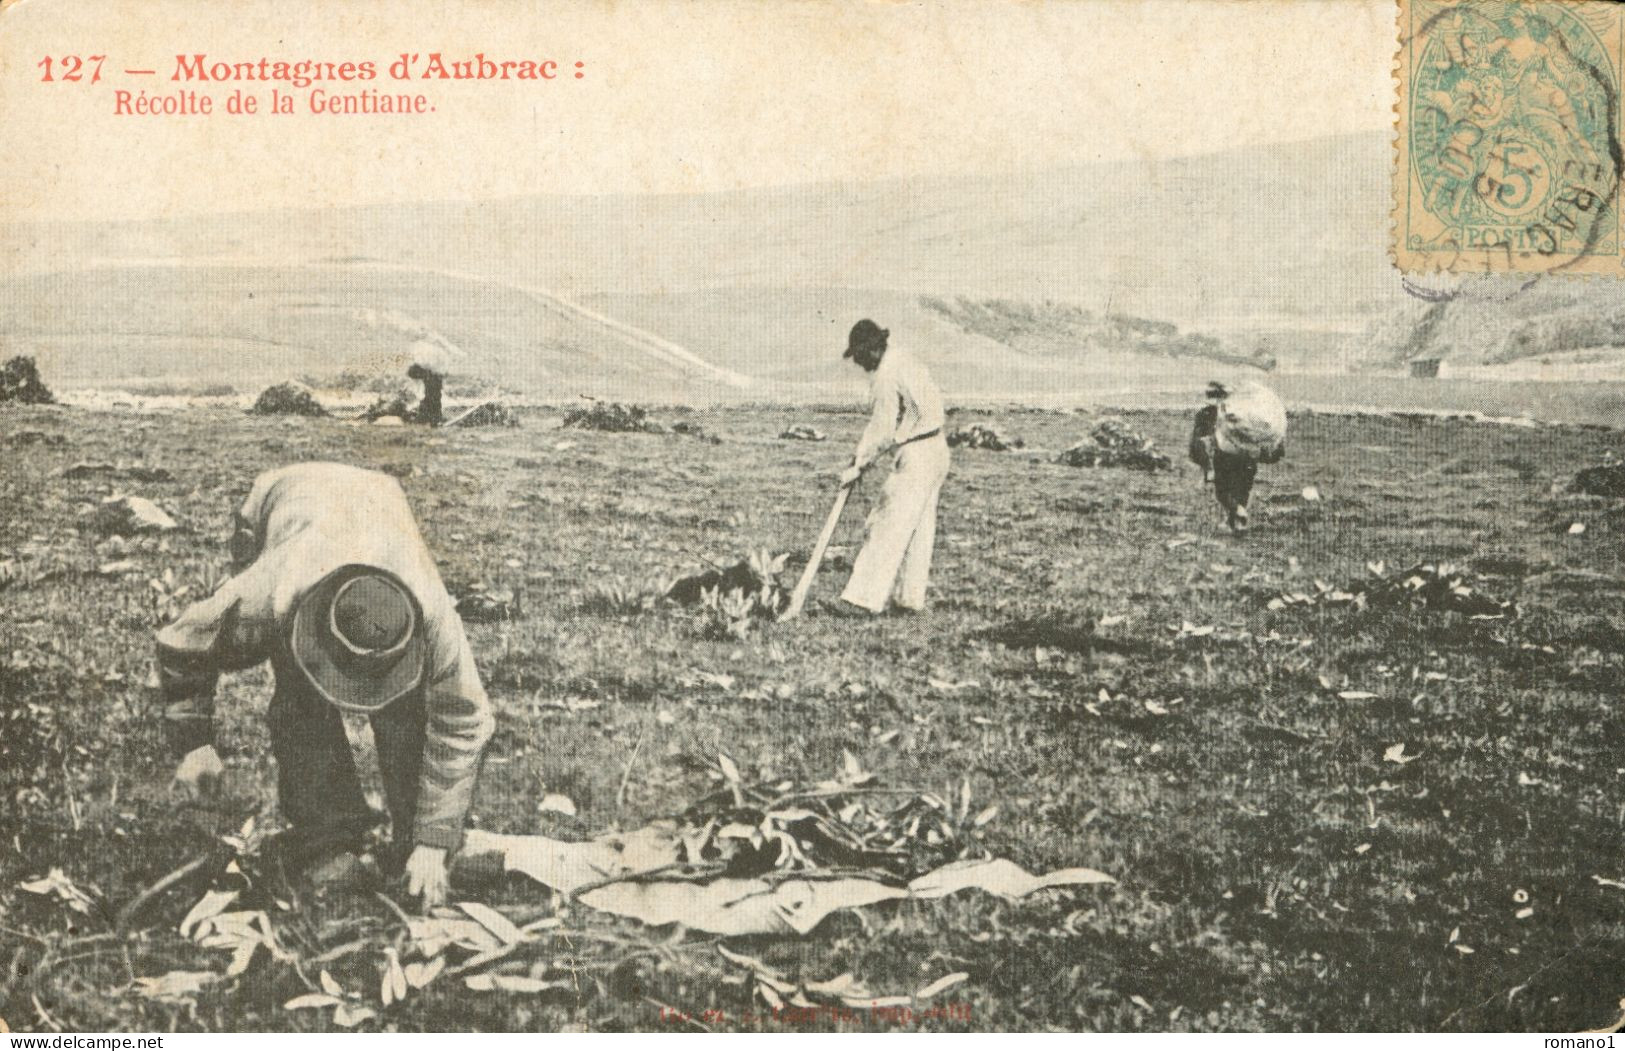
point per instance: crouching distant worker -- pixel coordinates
(907, 418)
(1236, 431)
(337, 590)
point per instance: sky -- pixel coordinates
(673, 97)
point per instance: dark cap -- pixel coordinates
(356, 635)
(865, 334)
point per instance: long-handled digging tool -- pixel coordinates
(798, 597)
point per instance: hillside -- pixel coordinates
(1063, 330)
(1285, 231)
(797, 335)
(758, 283)
(1015, 285)
(243, 326)
(1506, 325)
(246, 325)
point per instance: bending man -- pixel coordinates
(336, 589)
(907, 417)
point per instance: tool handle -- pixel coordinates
(798, 597)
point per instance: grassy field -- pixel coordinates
(1281, 866)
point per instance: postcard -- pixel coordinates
(836, 516)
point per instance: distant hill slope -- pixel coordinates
(752, 282)
(1063, 330)
(1297, 230)
(1015, 283)
(1495, 322)
(973, 346)
(250, 324)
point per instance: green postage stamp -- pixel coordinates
(1508, 147)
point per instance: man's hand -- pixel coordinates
(199, 773)
(426, 875)
(851, 475)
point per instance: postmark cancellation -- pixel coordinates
(1507, 151)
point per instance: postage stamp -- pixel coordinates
(1508, 151)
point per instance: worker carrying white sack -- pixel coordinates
(1239, 429)
(907, 419)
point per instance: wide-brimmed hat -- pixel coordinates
(864, 334)
(358, 637)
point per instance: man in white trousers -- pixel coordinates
(907, 417)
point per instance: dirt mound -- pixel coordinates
(732, 598)
(397, 406)
(1606, 479)
(482, 604)
(132, 472)
(1058, 632)
(37, 438)
(614, 417)
(694, 430)
(981, 436)
(287, 399)
(1113, 444)
(20, 382)
(742, 576)
(1437, 587)
(486, 414)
